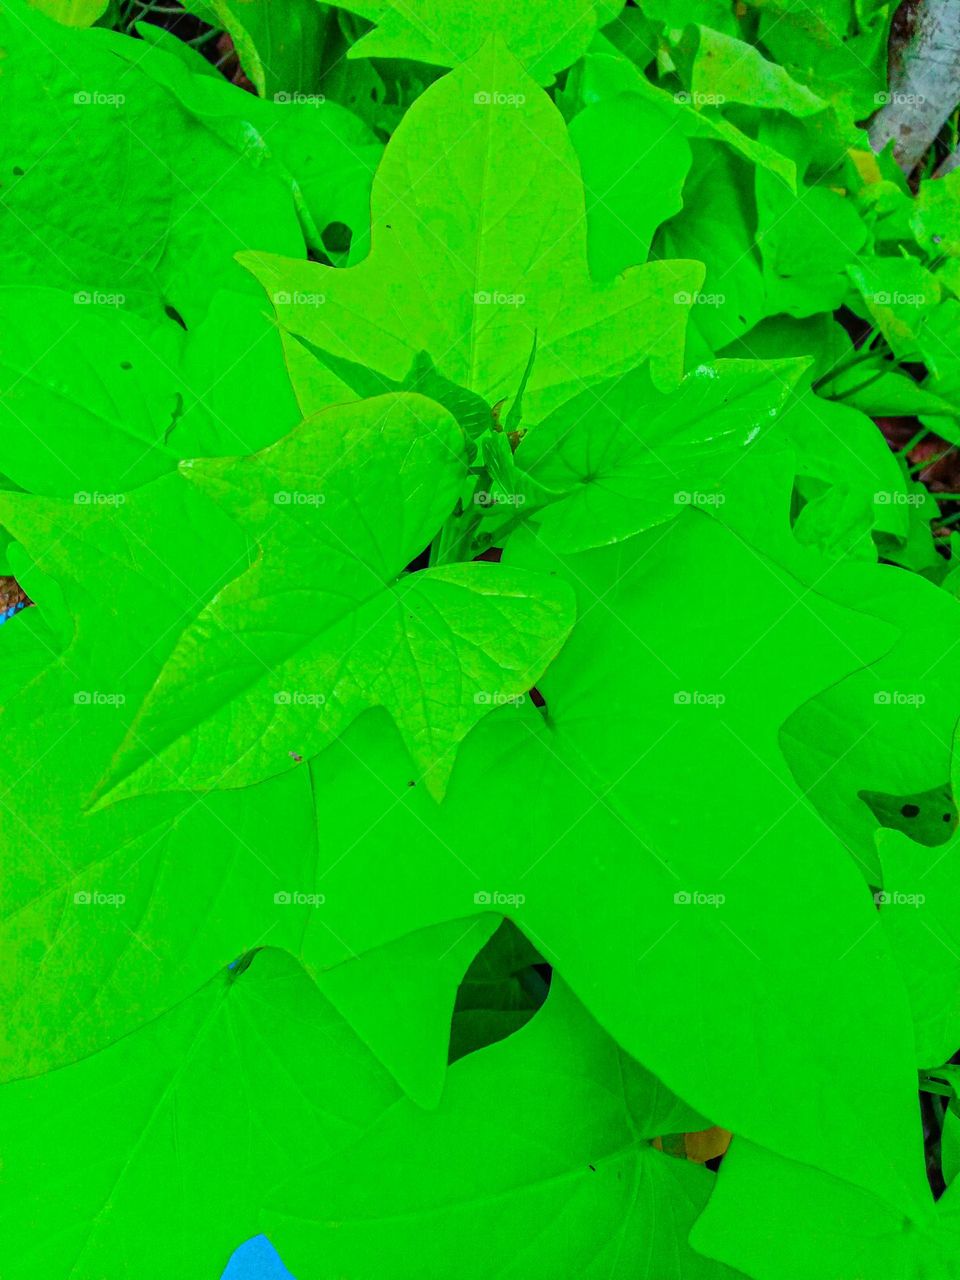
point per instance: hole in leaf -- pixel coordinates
(173, 314)
(928, 817)
(504, 987)
(420, 561)
(13, 598)
(336, 237)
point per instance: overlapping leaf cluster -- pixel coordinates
(465, 562)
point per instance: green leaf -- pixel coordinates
(545, 37)
(546, 1127)
(899, 294)
(492, 251)
(287, 669)
(918, 910)
(685, 118)
(719, 68)
(688, 609)
(199, 181)
(628, 457)
(733, 297)
(634, 168)
(88, 399)
(253, 1075)
(400, 999)
(73, 13)
(807, 239)
(279, 45)
(838, 48)
(889, 727)
(934, 217)
(950, 1146)
(802, 1221)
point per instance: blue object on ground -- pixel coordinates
(8, 613)
(256, 1260)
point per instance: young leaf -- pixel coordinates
(488, 248)
(326, 624)
(628, 457)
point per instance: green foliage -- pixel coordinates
(490, 692)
